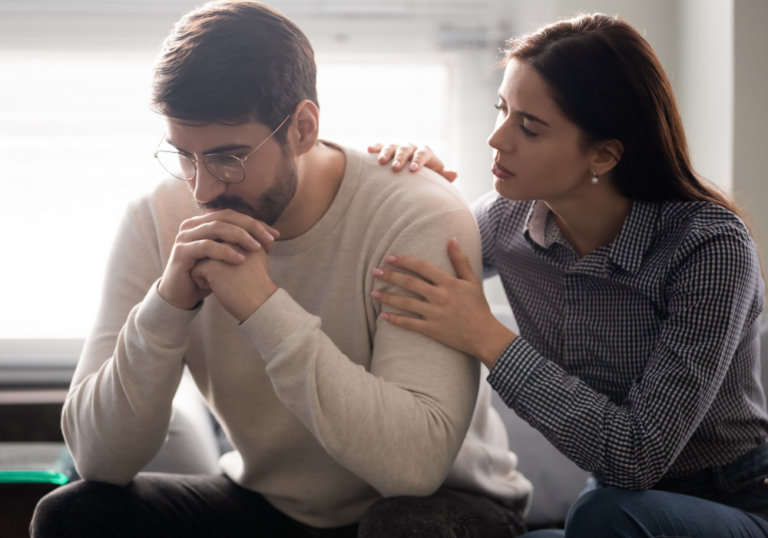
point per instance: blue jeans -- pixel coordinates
(727, 501)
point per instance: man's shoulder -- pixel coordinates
(417, 194)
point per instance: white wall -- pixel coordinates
(705, 89)
(750, 116)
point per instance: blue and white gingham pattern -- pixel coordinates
(640, 360)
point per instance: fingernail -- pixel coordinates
(396, 164)
(455, 243)
(377, 272)
(376, 294)
(271, 237)
(390, 259)
(384, 315)
(414, 166)
(239, 257)
(255, 243)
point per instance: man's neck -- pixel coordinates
(320, 172)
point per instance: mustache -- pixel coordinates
(230, 201)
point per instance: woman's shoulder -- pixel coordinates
(708, 236)
(697, 222)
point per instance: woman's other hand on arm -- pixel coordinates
(454, 310)
(419, 157)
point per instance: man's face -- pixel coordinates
(270, 173)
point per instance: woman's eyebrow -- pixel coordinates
(531, 117)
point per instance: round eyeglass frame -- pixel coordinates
(207, 164)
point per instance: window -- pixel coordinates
(76, 143)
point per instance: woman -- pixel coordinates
(636, 287)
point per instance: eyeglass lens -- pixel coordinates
(225, 167)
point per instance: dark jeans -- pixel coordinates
(165, 505)
(721, 502)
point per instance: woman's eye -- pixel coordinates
(527, 132)
(500, 108)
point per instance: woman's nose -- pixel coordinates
(502, 138)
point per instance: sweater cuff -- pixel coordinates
(280, 321)
(168, 323)
(513, 368)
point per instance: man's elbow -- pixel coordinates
(94, 472)
(421, 481)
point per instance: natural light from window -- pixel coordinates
(76, 143)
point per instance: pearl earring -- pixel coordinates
(594, 179)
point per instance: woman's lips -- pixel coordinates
(501, 172)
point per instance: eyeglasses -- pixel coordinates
(224, 166)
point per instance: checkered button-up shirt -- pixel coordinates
(640, 360)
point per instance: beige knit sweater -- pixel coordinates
(329, 407)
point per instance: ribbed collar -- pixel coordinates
(335, 212)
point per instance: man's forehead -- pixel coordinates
(204, 136)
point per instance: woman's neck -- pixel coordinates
(593, 219)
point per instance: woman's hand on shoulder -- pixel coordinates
(417, 156)
(451, 310)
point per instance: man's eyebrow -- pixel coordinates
(224, 148)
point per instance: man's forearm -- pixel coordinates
(117, 413)
(398, 430)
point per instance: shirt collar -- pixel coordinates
(630, 246)
(636, 235)
(536, 223)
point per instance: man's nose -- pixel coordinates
(207, 186)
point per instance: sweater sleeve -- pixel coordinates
(117, 413)
(631, 444)
(400, 425)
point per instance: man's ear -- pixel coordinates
(605, 155)
(304, 129)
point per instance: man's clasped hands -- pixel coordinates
(225, 253)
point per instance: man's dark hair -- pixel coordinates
(234, 62)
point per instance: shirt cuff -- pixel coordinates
(514, 366)
(280, 323)
(161, 318)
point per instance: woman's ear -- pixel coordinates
(304, 129)
(605, 155)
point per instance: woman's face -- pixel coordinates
(539, 153)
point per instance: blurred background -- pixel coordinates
(77, 138)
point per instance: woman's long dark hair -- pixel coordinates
(607, 80)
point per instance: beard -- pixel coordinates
(272, 203)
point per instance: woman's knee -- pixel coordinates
(609, 512)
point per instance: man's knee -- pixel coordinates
(79, 509)
(446, 514)
(400, 517)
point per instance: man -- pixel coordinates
(330, 409)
